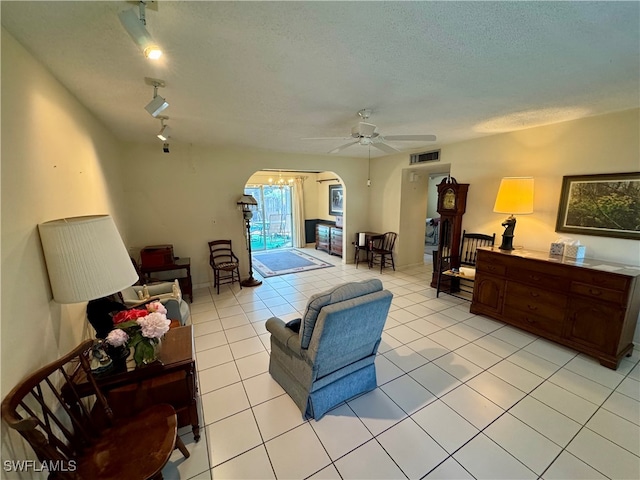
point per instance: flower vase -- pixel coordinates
(146, 352)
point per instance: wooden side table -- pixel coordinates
(182, 264)
(171, 380)
(368, 236)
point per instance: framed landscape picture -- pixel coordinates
(607, 205)
(336, 198)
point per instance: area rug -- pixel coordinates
(272, 264)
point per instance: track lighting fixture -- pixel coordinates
(158, 104)
(136, 28)
(165, 130)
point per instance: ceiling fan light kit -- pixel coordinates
(366, 133)
(363, 129)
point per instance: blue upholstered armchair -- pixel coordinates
(330, 358)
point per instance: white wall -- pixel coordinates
(174, 198)
(602, 144)
(57, 161)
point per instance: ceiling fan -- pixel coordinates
(365, 133)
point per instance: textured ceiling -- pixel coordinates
(267, 74)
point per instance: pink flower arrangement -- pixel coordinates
(140, 329)
(117, 337)
(154, 325)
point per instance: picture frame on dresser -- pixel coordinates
(605, 205)
(336, 200)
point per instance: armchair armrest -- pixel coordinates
(284, 335)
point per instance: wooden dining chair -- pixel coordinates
(79, 435)
(381, 250)
(225, 263)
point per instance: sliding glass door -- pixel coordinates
(272, 220)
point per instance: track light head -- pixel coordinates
(136, 29)
(165, 130)
(164, 133)
(158, 104)
(153, 52)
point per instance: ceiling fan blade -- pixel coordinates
(342, 147)
(384, 147)
(326, 138)
(403, 138)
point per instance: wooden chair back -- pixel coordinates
(469, 246)
(78, 433)
(221, 253)
(385, 242)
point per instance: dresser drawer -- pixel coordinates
(491, 268)
(602, 279)
(534, 322)
(599, 293)
(533, 277)
(489, 262)
(535, 301)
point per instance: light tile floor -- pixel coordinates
(459, 395)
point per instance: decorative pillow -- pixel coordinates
(294, 325)
(337, 294)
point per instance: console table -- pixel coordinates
(171, 380)
(182, 265)
(589, 305)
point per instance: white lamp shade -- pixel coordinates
(86, 258)
(515, 196)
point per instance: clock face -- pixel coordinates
(449, 200)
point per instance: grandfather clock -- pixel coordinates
(452, 203)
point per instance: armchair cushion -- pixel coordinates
(337, 294)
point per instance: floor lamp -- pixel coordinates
(248, 202)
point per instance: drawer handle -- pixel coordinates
(533, 308)
(534, 294)
(534, 277)
(593, 291)
(528, 320)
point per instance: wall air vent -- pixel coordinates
(432, 156)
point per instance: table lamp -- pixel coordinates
(248, 202)
(515, 196)
(86, 260)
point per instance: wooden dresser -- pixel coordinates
(329, 239)
(589, 305)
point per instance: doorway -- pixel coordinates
(271, 225)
